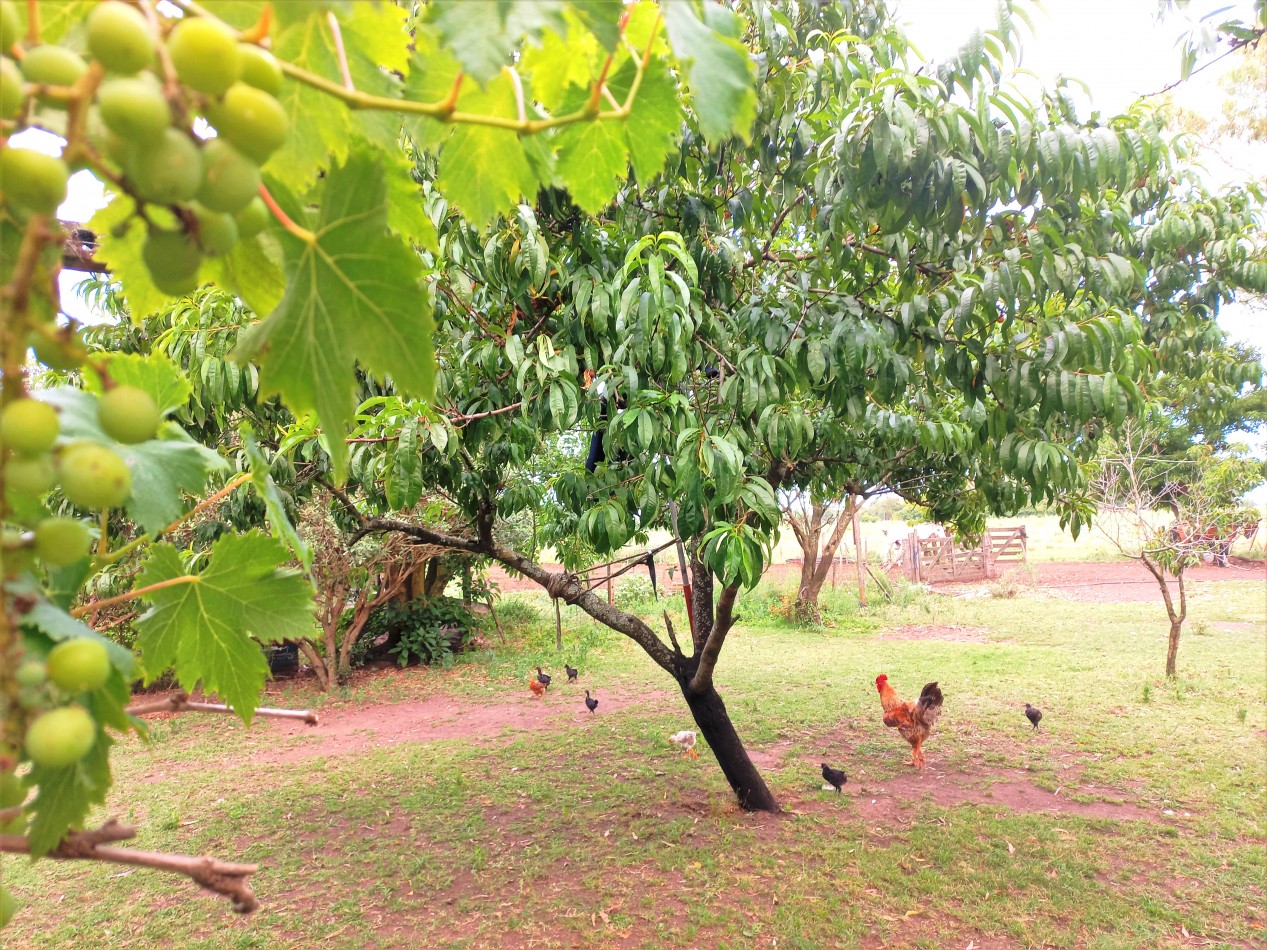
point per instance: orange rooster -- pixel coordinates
(913, 720)
(538, 689)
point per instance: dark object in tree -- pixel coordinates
(836, 777)
(590, 703)
(649, 560)
(711, 372)
(543, 678)
(572, 672)
(1033, 714)
(597, 453)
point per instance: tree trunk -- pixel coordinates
(818, 561)
(715, 726)
(1172, 651)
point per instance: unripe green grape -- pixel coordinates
(169, 170)
(118, 149)
(253, 121)
(79, 665)
(31, 673)
(128, 414)
(29, 426)
(59, 357)
(32, 180)
(53, 66)
(29, 476)
(134, 108)
(10, 25)
(61, 737)
(231, 179)
(260, 68)
(253, 219)
(61, 541)
(173, 261)
(205, 54)
(12, 789)
(94, 477)
(217, 233)
(10, 89)
(119, 37)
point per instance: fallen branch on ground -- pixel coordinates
(180, 702)
(220, 877)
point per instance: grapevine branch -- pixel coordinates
(443, 110)
(220, 877)
(133, 594)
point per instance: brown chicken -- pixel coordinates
(538, 689)
(914, 721)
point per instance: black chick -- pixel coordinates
(590, 702)
(836, 777)
(1033, 714)
(572, 672)
(543, 678)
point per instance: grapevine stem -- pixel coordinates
(300, 232)
(222, 877)
(133, 595)
(113, 556)
(340, 52)
(33, 22)
(443, 111)
(103, 542)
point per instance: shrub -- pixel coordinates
(426, 631)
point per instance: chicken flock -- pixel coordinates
(914, 721)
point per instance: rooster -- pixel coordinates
(913, 720)
(537, 688)
(685, 740)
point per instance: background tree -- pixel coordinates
(899, 256)
(1136, 488)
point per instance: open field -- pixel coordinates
(436, 808)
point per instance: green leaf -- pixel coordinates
(253, 270)
(120, 237)
(485, 34)
(278, 522)
(718, 69)
(321, 129)
(353, 297)
(67, 794)
(207, 628)
(406, 212)
(161, 468)
(592, 162)
(483, 170)
(655, 122)
(58, 625)
(154, 373)
(602, 18)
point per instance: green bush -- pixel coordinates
(634, 594)
(426, 631)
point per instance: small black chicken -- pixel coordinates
(1033, 714)
(572, 672)
(836, 777)
(543, 678)
(590, 703)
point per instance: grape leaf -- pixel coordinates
(592, 162)
(353, 296)
(67, 794)
(655, 122)
(120, 237)
(161, 468)
(559, 64)
(252, 270)
(207, 628)
(321, 129)
(484, 35)
(278, 522)
(718, 70)
(601, 18)
(156, 374)
(485, 171)
(406, 208)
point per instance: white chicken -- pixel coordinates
(685, 740)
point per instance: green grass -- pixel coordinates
(598, 834)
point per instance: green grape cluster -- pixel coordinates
(156, 78)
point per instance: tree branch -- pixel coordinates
(180, 702)
(220, 877)
(724, 619)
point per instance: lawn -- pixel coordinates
(447, 808)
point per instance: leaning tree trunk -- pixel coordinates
(715, 726)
